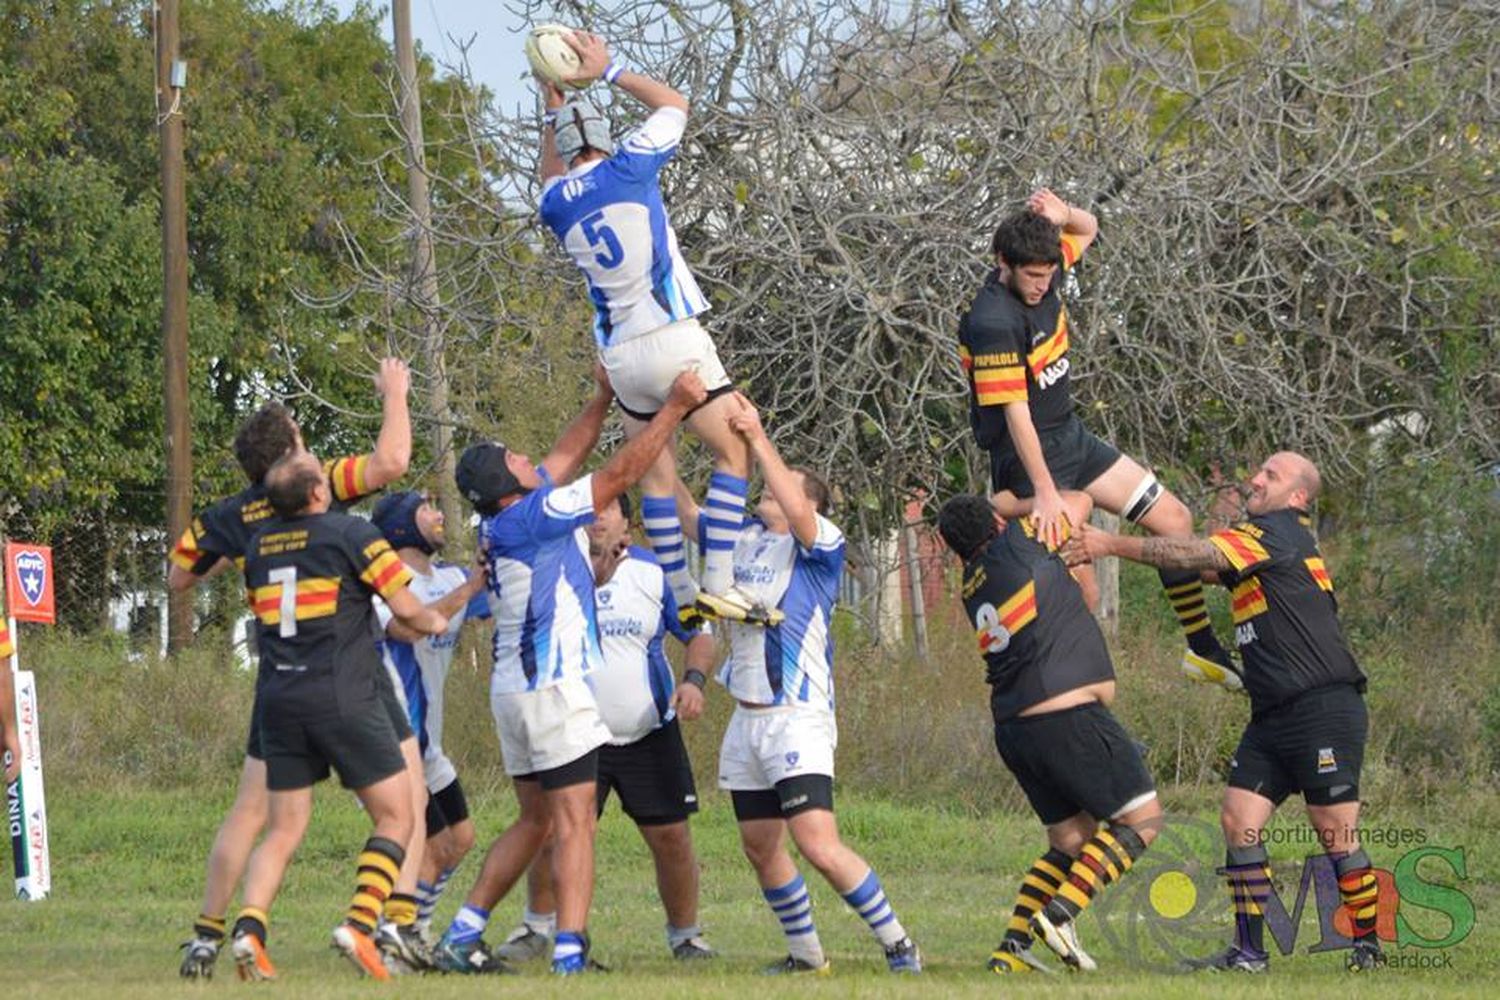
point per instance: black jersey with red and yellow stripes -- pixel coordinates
(1036, 634)
(1013, 353)
(1285, 614)
(309, 581)
(223, 530)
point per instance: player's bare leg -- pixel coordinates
(226, 865)
(574, 821)
(1127, 489)
(1337, 825)
(676, 865)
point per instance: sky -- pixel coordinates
(494, 33)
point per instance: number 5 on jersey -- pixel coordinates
(597, 233)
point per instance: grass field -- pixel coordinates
(127, 869)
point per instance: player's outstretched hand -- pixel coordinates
(1049, 515)
(687, 701)
(1048, 205)
(593, 56)
(393, 378)
(688, 391)
(1087, 544)
(745, 421)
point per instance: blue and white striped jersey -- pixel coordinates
(419, 670)
(609, 217)
(635, 610)
(541, 587)
(793, 662)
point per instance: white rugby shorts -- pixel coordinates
(642, 369)
(547, 728)
(765, 745)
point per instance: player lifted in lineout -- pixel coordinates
(1014, 348)
(603, 201)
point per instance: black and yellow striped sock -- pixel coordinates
(253, 920)
(379, 863)
(1185, 594)
(1358, 891)
(401, 909)
(212, 928)
(1108, 855)
(1248, 872)
(1037, 888)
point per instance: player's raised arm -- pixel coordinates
(577, 440)
(1079, 226)
(784, 484)
(596, 63)
(392, 454)
(626, 466)
(551, 164)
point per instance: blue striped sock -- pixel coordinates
(427, 897)
(569, 952)
(468, 925)
(793, 907)
(723, 516)
(664, 532)
(868, 900)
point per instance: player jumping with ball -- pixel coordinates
(603, 201)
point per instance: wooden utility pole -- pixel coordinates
(424, 269)
(171, 80)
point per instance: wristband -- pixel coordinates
(695, 678)
(612, 72)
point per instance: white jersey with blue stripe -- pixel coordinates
(541, 587)
(635, 610)
(791, 663)
(609, 217)
(419, 670)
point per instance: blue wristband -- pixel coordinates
(612, 72)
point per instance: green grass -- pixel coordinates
(127, 868)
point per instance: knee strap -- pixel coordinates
(1142, 499)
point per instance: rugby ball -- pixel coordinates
(551, 57)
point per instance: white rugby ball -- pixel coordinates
(551, 57)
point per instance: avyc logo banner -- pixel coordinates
(28, 582)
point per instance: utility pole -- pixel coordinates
(171, 80)
(424, 268)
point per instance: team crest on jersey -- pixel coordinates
(603, 596)
(576, 187)
(1327, 764)
(792, 757)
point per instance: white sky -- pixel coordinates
(494, 36)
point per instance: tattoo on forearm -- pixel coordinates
(1182, 553)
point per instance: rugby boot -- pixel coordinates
(250, 959)
(1212, 671)
(1062, 937)
(200, 955)
(361, 951)
(1231, 959)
